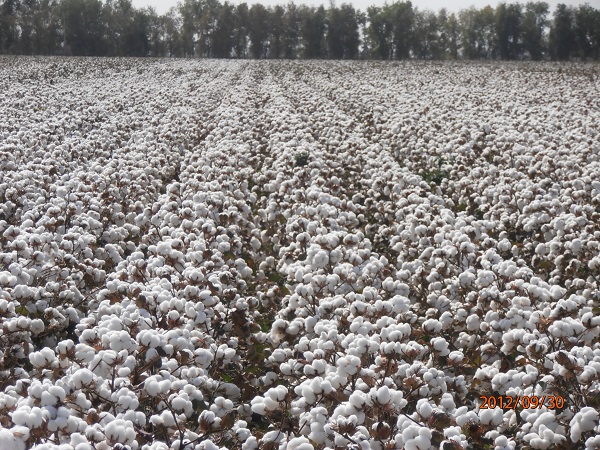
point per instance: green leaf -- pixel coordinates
(226, 377)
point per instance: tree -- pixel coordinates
(156, 34)
(403, 20)
(172, 33)
(277, 31)
(208, 27)
(291, 34)
(478, 33)
(240, 30)
(9, 33)
(562, 36)
(313, 29)
(380, 31)
(453, 33)
(343, 40)
(587, 32)
(425, 36)
(533, 26)
(191, 12)
(83, 27)
(259, 30)
(137, 37)
(223, 41)
(508, 30)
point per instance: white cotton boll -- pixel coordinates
(37, 326)
(544, 419)
(250, 444)
(456, 356)
(501, 441)
(61, 192)
(357, 399)
(167, 419)
(592, 443)
(320, 260)
(424, 408)
(308, 394)
(28, 417)
(255, 243)
(120, 431)
(9, 441)
(446, 319)
(79, 441)
(400, 304)
(270, 404)
(383, 395)
(440, 345)
(447, 402)
(43, 358)
(462, 416)
(280, 392)
(585, 420)
(151, 387)
(432, 326)
(473, 322)
(423, 442)
(504, 245)
(538, 443)
(299, 443)
(492, 417)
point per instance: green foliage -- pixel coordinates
(435, 176)
(301, 159)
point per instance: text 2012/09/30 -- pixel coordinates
(523, 401)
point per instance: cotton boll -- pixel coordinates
(432, 326)
(424, 408)
(501, 442)
(455, 357)
(473, 322)
(585, 420)
(592, 443)
(440, 345)
(357, 399)
(383, 395)
(28, 417)
(9, 441)
(493, 417)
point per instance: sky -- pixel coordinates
(162, 6)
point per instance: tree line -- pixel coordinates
(211, 29)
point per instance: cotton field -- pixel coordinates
(299, 255)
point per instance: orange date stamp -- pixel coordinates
(523, 401)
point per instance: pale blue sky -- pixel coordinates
(162, 6)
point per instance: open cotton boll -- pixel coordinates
(43, 358)
(299, 443)
(9, 441)
(440, 345)
(432, 326)
(493, 417)
(424, 408)
(592, 443)
(29, 417)
(585, 420)
(383, 395)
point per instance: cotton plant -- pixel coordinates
(352, 262)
